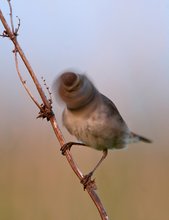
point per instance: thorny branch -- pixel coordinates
(45, 108)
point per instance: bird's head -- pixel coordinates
(76, 90)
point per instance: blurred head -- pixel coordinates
(76, 90)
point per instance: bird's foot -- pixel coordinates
(88, 182)
(66, 147)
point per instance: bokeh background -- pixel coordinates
(123, 46)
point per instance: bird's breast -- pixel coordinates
(96, 129)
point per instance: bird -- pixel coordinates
(91, 117)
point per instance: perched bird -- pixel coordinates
(91, 117)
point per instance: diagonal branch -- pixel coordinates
(13, 37)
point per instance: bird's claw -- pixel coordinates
(66, 147)
(88, 182)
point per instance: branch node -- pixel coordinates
(13, 36)
(45, 112)
(4, 34)
(88, 183)
(15, 50)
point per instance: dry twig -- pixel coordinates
(45, 108)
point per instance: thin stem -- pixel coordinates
(24, 82)
(11, 15)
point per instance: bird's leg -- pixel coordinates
(87, 178)
(68, 146)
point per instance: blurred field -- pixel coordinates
(37, 183)
(123, 47)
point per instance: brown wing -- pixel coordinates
(113, 111)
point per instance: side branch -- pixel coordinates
(24, 82)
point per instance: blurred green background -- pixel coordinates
(123, 46)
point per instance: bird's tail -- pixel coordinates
(136, 138)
